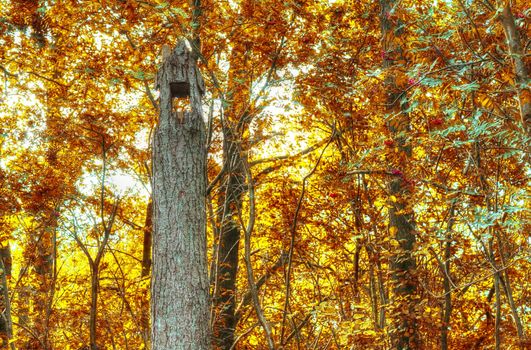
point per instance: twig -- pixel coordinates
(247, 246)
(293, 231)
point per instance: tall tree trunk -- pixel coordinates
(236, 124)
(146, 270)
(224, 301)
(94, 289)
(6, 325)
(501, 274)
(146, 247)
(401, 222)
(45, 279)
(94, 263)
(520, 67)
(40, 268)
(497, 322)
(180, 289)
(446, 311)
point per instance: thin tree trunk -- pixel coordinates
(497, 321)
(506, 284)
(520, 68)
(509, 294)
(501, 274)
(372, 289)
(146, 270)
(384, 293)
(235, 125)
(41, 269)
(445, 272)
(94, 289)
(447, 310)
(228, 247)
(95, 266)
(250, 275)
(146, 247)
(45, 278)
(179, 292)
(6, 325)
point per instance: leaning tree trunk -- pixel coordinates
(179, 294)
(401, 220)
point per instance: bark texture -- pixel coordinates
(179, 294)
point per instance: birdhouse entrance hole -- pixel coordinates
(180, 95)
(180, 89)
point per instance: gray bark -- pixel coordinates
(179, 294)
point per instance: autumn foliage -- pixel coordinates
(368, 165)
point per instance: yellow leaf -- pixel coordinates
(393, 230)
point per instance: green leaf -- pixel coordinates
(431, 82)
(180, 12)
(510, 154)
(374, 73)
(139, 75)
(450, 130)
(411, 107)
(114, 81)
(482, 128)
(467, 87)
(510, 209)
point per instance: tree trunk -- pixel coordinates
(401, 221)
(235, 125)
(6, 325)
(46, 279)
(146, 270)
(446, 311)
(179, 294)
(146, 247)
(228, 247)
(94, 289)
(41, 259)
(520, 67)
(497, 322)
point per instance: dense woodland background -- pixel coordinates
(372, 155)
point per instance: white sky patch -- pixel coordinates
(121, 183)
(125, 184)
